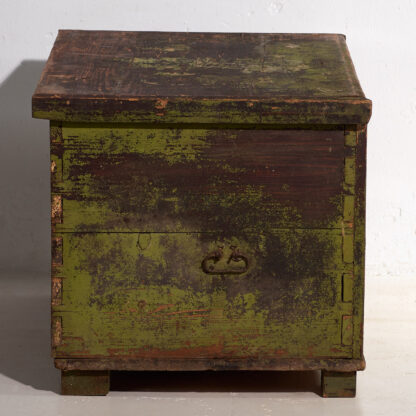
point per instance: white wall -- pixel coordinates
(381, 36)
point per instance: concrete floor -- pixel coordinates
(29, 383)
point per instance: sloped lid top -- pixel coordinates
(200, 77)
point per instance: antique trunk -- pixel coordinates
(208, 204)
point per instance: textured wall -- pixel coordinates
(380, 35)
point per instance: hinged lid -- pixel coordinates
(225, 78)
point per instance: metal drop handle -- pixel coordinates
(215, 263)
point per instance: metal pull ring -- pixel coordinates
(215, 262)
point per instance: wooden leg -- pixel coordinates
(338, 384)
(85, 383)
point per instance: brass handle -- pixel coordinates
(216, 263)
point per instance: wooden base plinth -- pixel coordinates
(88, 382)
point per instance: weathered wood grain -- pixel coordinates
(131, 178)
(273, 162)
(229, 364)
(200, 77)
(359, 242)
(123, 300)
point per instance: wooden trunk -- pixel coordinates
(208, 204)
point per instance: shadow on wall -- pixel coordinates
(24, 175)
(25, 354)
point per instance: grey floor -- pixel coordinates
(29, 383)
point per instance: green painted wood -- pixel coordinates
(347, 287)
(359, 243)
(130, 178)
(200, 78)
(105, 172)
(124, 299)
(208, 203)
(338, 384)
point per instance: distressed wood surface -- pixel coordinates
(201, 78)
(124, 296)
(216, 220)
(229, 364)
(359, 242)
(131, 178)
(254, 278)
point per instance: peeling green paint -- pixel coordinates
(172, 145)
(130, 178)
(123, 301)
(138, 294)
